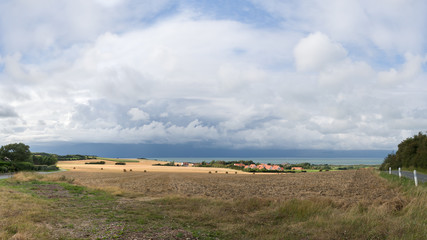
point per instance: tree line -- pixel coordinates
(411, 154)
(18, 157)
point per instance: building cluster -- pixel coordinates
(260, 166)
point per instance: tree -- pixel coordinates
(45, 159)
(16, 152)
(411, 153)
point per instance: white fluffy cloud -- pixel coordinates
(138, 115)
(167, 72)
(317, 52)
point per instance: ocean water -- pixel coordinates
(278, 160)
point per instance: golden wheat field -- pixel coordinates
(343, 187)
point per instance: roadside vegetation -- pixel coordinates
(36, 206)
(18, 157)
(411, 155)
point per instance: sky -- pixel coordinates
(226, 74)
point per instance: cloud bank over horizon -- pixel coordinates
(232, 74)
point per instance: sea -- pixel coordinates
(282, 160)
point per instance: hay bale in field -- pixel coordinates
(235, 172)
(124, 170)
(216, 171)
(130, 170)
(210, 172)
(145, 170)
(226, 172)
(74, 167)
(253, 173)
(102, 168)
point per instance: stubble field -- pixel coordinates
(158, 202)
(343, 187)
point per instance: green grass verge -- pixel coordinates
(419, 170)
(406, 183)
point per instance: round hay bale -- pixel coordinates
(102, 168)
(124, 170)
(130, 170)
(145, 170)
(210, 172)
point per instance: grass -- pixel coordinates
(36, 206)
(419, 170)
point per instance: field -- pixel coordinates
(157, 202)
(344, 187)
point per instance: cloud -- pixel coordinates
(138, 115)
(408, 71)
(7, 112)
(174, 72)
(316, 52)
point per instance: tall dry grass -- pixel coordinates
(22, 215)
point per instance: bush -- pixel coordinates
(120, 163)
(5, 164)
(40, 167)
(100, 162)
(23, 166)
(52, 168)
(45, 168)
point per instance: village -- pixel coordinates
(247, 167)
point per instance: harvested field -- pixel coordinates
(342, 187)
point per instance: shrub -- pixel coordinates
(2, 164)
(40, 167)
(120, 163)
(23, 166)
(100, 162)
(52, 168)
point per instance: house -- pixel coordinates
(268, 167)
(187, 164)
(252, 166)
(261, 166)
(239, 165)
(277, 168)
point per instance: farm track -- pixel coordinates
(342, 187)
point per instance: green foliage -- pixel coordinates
(45, 159)
(16, 152)
(411, 153)
(100, 162)
(72, 157)
(18, 157)
(19, 166)
(120, 163)
(45, 168)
